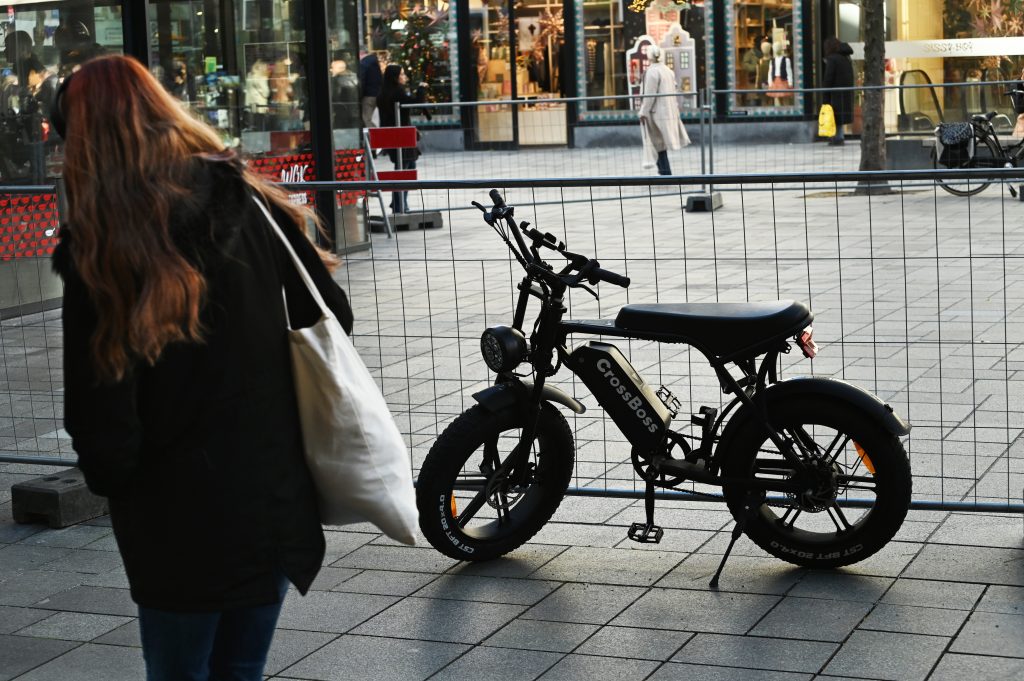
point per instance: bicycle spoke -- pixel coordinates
(838, 450)
(837, 516)
(786, 516)
(502, 507)
(472, 507)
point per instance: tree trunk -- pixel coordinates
(872, 141)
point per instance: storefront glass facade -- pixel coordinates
(764, 51)
(246, 67)
(944, 41)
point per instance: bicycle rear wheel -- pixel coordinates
(985, 153)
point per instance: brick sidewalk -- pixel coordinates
(943, 602)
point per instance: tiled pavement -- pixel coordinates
(943, 602)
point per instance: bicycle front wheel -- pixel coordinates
(985, 152)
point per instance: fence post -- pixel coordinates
(708, 200)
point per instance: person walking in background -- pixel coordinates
(394, 91)
(370, 82)
(660, 126)
(179, 395)
(838, 74)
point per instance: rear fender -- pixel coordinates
(505, 395)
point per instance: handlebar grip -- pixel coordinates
(612, 278)
(496, 198)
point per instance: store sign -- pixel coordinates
(960, 47)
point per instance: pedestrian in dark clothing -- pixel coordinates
(392, 92)
(179, 396)
(370, 82)
(839, 74)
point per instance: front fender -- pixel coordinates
(505, 395)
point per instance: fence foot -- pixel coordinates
(704, 203)
(59, 500)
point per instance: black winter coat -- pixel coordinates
(839, 73)
(201, 453)
(386, 104)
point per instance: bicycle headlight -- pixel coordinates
(503, 348)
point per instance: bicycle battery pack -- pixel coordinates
(638, 412)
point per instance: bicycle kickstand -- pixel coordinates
(737, 530)
(646, 533)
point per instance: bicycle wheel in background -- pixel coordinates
(985, 153)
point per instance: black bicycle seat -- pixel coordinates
(723, 329)
(985, 117)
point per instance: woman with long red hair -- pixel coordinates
(178, 388)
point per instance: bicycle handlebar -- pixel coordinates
(587, 269)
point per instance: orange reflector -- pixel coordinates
(455, 510)
(863, 457)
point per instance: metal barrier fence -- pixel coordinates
(576, 141)
(916, 293)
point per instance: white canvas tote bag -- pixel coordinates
(356, 456)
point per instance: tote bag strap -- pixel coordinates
(303, 274)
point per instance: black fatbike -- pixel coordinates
(812, 469)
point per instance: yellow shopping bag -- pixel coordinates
(826, 121)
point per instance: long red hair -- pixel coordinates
(127, 162)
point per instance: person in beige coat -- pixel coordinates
(660, 126)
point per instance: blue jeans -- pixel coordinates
(230, 645)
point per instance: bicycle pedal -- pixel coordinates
(645, 534)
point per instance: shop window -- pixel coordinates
(764, 45)
(422, 39)
(611, 41)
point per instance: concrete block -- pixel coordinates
(704, 203)
(60, 500)
(429, 219)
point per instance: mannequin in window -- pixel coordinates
(780, 73)
(660, 126)
(764, 65)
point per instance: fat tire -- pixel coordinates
(456, 444)
(893, 482)
(976, 189)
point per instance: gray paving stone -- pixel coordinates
(522, 562)
(674, 671)
(754, 652)
(13, 619)
(884, 655)
(633, 642)
(562, 534)
(969, 564)
(330, 577)
(743, 574)
(557, 637)
(812, 619)
(98, 600)
(1008, 600)
(29, 588)
(686, 610)
(841, 586)
(953, 667)
(588, 668)
(92, 661)
(329, 611)
(963, 529)
(115, 579)
(677, 540)
(11, 532)
(16, 557)
(609, 566)
(105, 543)
(73, 626)
(433, 619)
(290, 646)
(385, 583)
(585, 603)
(341, 544)
(488, 589)
(678, 518)
(933, 593)
(126, 635)
(19, 654)
(589, 510)
(375, 659)
(910, 619)
(988, 633)
(400, 558)
(73, 537)
(88, 562)
(889, 561)
(498, 664)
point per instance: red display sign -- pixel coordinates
(28, 225)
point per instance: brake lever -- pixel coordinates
(588, 290)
